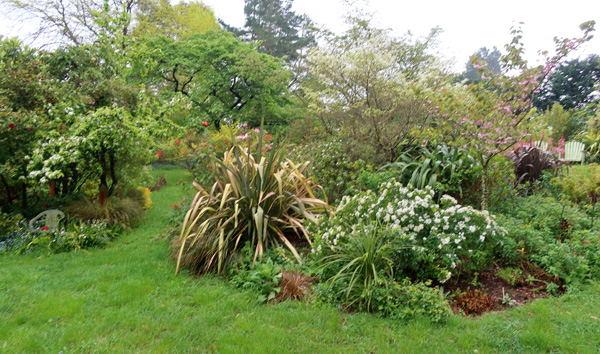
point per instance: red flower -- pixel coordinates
(11, 126)
(178, 141)
(44, 205)
(61, 127)
(160, 154)
(30, 128)
(53, 102)
(16, 75)
(44, 228)
(26, 80)
(205, 123)
(37, 63)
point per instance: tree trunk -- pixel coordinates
(7, 187)
(484, 191)
(103, 187)
(52, 186)
(24, 195)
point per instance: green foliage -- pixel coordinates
(485, 118)
(225, 79)
(448, 170)
(23, 101)
(572, 84)
(364, 258)
(279, 31)
(262, 278)
(405, 300)
(491, 60)
(156, 17)
(333, 167)
(512, 276)
(18, 238)
(556, 236)
(563, 122)
(591, 139)
(581, 186)
(377, 107)
(129, 285)
(257, 199)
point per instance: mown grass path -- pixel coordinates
(126, 299)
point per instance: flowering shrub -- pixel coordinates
(195, 151)
(431, 240)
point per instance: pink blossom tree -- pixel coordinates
(486, 117)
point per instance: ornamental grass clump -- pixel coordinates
(259, 198)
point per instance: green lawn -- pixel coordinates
(125, 298)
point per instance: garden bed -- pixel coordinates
(493, 293)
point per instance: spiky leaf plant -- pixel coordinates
(530, 162)
(258, 198)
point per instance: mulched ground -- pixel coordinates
(492, 293)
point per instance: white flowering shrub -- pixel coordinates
(431, 241)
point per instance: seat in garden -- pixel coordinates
(574, 152)
(52, 218)
(541, 144)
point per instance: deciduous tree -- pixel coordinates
(486, 118)
(363, 85)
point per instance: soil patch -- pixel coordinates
(491, 292)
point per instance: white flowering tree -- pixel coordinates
(106, 145)
(362, 84)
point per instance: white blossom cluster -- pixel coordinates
(447, 233)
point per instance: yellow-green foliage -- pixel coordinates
(559, 120)
(146, 193)
(160, 17)
(581, 184)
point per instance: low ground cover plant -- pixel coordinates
(17, 237)
(552, 238)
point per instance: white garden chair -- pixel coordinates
(541, 144)
(52, 218)
(574, 152)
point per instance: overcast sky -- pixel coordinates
(467, 24)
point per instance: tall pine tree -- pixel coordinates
(281, 31)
